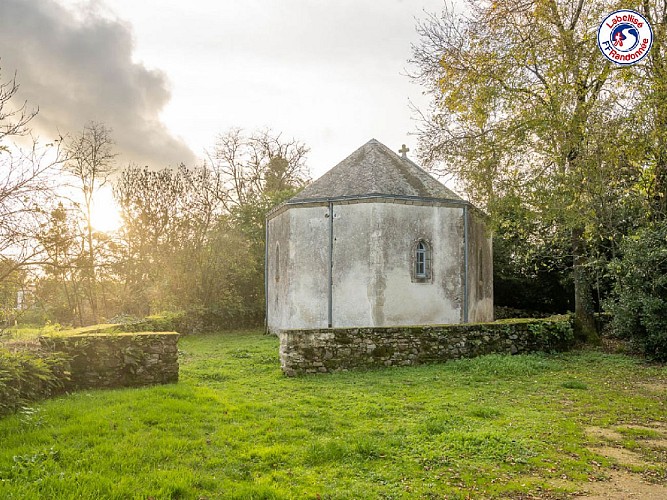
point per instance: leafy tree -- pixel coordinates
(193, 238)
(10, 287)
(640, 308)
(152, 211)
(522, 105)
(651, 78)
(61, 286)
(265, 170)
(639, 303)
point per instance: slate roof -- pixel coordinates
(374, 169)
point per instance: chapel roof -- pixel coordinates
(374, 169)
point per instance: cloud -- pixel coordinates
(77, 67)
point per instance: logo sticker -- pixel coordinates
(625, 37)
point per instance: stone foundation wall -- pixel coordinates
(326, 350)
(118, 360)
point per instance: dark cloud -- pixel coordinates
(77, 67)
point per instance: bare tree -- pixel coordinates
(90, 158)
(25, 186)
(248, 166)
(13, 120)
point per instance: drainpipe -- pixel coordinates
(266, 277)
(331, 242)
(465, 263)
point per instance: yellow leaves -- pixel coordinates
(455, 103)
(542, 9)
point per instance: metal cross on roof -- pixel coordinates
(403, 151)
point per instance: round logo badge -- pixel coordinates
(625, 37)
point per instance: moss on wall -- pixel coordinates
(117, 360)
(326, 350)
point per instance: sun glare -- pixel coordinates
(105, 214)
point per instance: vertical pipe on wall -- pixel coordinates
(266, 276)
(465, 263)
(331, 242)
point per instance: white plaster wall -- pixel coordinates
(372, 255)
(299, 299)
(277, 290)
(372, 283)
(480, 270)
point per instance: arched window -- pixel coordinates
(421, 262)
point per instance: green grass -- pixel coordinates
(28, 332)
(20, 333)
(574, 384)
(639, 433)
(235, 427)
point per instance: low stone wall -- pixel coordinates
(117, 360)
(326, 350)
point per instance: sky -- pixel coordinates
(169, 76)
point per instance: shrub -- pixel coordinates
(639, 307)
(552, 334)
(163, 322)
(28, 375)
(194, 320)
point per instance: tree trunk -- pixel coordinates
(584, 318)
(77, 302)
(92, 284)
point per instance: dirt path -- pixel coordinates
(634, 468)
(623, 485)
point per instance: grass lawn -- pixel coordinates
(235, 427)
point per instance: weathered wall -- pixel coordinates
(480, 269)
(327, 350)
(373, 262)
(298, 280)
(373, 248)
(118, 360)
(277, 275)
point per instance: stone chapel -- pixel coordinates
(377, 241)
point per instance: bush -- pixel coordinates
(552, 334)
(194, 320)
(26, 376)
(639, 307)
(163, 322)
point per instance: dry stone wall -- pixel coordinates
(327, 350)
(118, 360)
